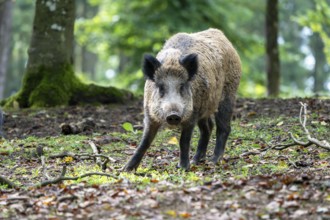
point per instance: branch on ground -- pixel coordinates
(59, 179)
(296, 142)
(62, 177)
(5, 181)
(101, 164)
(310, 140)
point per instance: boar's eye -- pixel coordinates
(182, 88)
(161, 89)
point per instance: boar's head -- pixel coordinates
(171, 93)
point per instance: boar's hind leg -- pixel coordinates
(205, 126)
(222, 119)
(149, 133)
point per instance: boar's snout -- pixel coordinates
(173, 119)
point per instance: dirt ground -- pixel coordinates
(46, 122)
(302, 193)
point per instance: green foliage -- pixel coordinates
(318, 20)
(21, 33)
(128, 127)
(124, 30)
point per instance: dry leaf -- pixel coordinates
(171, 213)
(280, 123)
(185, 215)
(173, 140)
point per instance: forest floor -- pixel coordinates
(254, 180)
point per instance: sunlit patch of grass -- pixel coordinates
(6, 147)
(324, 155)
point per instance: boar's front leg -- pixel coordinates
(205, 127)
(185, 139)
(149, 133)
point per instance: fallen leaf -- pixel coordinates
(154, 180)
(250, 114)
(290, 204)
(173, 140)
(171, 213)
(68, 159)
(299, 213)
(280, 123)
(273, 207)
(185, 215)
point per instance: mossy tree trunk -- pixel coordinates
(49, 78)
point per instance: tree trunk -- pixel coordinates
(6, 7)
(272, 52)
(49, 78)
(317, 47)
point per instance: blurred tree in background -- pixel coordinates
(111, 36)
(272, 52)
(6, 8)
(49, 78)
(317, 19)
(22, 17)
(125, 30)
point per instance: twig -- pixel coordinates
(59, 179)
(303, 119)
(290, 161)
(62, 177)
(54, 181)
(102, 165)
(43, 168)
(5, 181)
(96, 152)
(69, 154)
(311, 141)
(303, 113)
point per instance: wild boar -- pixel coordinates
(192, 78)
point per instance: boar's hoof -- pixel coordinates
(198, 161)
(184, 167)
(128, 168)
(216, 160)
(173, 119)
(199, 158)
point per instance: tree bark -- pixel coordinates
(317, 47)
(49, 78)
(272, 52)
(6, 7)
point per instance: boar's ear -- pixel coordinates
(149, 65)
(190, 62)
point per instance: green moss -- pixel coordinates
(46, 87)
(92, 93)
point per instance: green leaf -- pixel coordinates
(128, 127)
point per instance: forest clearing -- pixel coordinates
(165, 109)
(293, 183)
